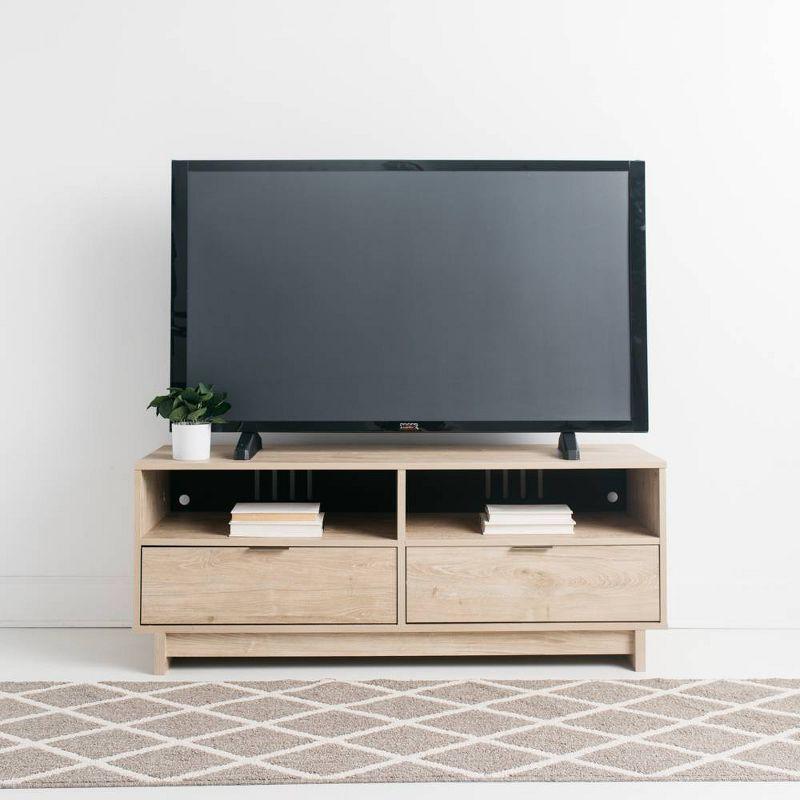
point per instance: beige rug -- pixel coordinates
(166, 733)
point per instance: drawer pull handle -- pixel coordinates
(534, 547)
(269, 547)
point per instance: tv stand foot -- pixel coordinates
(568, 446)
(160, 657)
(248, 445)
(637, 651)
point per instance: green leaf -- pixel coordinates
(192, 404)
(217, 420)
(178, 414)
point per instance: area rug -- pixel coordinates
(189, 733)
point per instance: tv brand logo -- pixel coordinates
(409, 426)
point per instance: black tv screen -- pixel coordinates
(388, 295)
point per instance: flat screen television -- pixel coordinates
(413, 295)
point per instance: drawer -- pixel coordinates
(263, 585)
(517, 584)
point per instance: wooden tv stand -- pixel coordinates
(407, 572)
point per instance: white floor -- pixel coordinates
(119, 654)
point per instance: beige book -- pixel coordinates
(273, 517)
(275, 512)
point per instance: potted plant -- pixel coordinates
(191, 410)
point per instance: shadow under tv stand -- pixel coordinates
(402, 568)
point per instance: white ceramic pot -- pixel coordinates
(191, 442)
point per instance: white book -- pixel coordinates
(489, 529)
(275, 531)
(315, 519)
(523, 519)
(278, 512)
(558, 509)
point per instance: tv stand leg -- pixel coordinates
(160, 657)
(637, 651)
(248, 445)
(568, 446)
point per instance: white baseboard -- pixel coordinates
(73, 602)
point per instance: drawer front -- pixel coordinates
(249, 585)
(509, 584)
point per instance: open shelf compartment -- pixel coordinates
(443, 507)
(360, 507)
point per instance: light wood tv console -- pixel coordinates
(402, 582)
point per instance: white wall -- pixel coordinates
(97, 97)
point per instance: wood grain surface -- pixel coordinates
(301, 585)
(557, 584)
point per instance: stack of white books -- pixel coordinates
(282, 520)
(551, 520)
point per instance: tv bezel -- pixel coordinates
(637, 304)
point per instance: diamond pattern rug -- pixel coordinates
(187, 733)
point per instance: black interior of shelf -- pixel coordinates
(427, 491)
(470, 490)
(335, 490)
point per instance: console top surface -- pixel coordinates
(410, 456)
